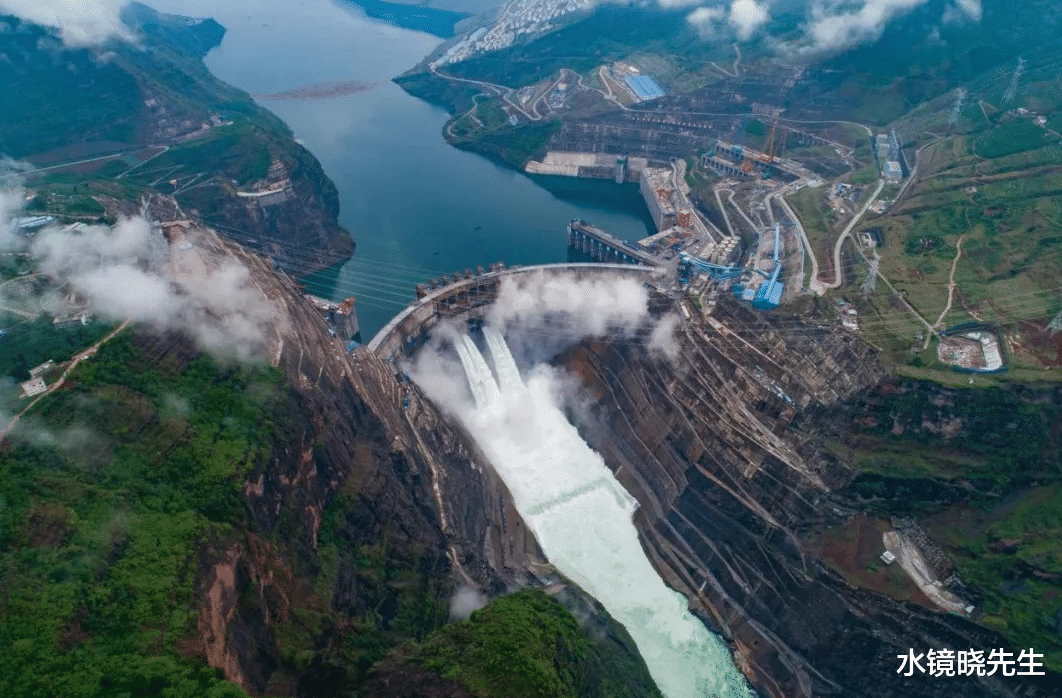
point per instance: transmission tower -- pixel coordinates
(1056, 324)
(1012, 90)
(956, 110)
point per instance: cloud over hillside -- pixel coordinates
(80, 23)
(827, 26)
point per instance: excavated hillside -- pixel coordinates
(733, 495)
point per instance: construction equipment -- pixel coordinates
(767, 155)
(747, 165)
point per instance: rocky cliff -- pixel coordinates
(368, 513)
(732, 495)
(286, 519)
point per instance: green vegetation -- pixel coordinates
(610, 32)
(511, 145)
(527, 645)
(867, 175)
(1012, 137)
(235, 151)
(996, 437)
(416, 17)
(756, 128)
(810, 206)
(113, 487)
(1013, 556)
(86, 99)
(33, 342)
(982, 470)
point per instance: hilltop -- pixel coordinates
(103, 128)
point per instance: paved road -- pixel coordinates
(838, 273)
(501, 90)
(814, 285)
(81, 356)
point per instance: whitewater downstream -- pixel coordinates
(581, 516)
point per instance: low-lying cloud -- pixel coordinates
(465, 601)
(541, 314)
(131, 272)
(963, 11)
(828, 25)
(79, 23)
(747, 16)
(550, 312)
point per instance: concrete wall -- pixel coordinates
(470, 298)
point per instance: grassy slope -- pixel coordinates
(102, 519)
(69, 100)
(981, 470)
(527, 645)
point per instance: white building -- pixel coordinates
(34, 386)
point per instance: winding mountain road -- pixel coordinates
(838, 273)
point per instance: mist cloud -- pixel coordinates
(11, 202)
(746, 16)
(963, 11)
(79, 23)
(131, 272)
(710, 21)
(466, 600)
(835, 27)
(828, 25)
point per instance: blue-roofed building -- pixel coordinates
(769, 295)
(644, 86)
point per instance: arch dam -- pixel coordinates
(471, 297)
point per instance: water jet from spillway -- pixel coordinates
(582, 518)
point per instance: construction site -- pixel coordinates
(741, 248)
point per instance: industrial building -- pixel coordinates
(342, 318)
(31, 223)
(660, 196)
(767, 294)
(887, 154)
(643, 86)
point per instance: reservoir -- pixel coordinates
(416, 206)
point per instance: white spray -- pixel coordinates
(581, 516)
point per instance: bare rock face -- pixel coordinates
(367, 513)
(730, 493)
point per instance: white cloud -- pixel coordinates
(828, 26)
(130, 272)
(464, 601)
(963, 11)
(707, 20)
(746, 16)
(835, 26)
(80, 23)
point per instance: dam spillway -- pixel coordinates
(582, 518)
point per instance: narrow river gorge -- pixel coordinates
(416, 206)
